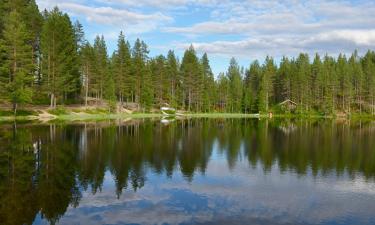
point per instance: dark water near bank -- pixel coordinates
(202, 171)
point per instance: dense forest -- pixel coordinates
(45, 59)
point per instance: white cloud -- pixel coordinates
(250, 28)
(130, 21)
(333, 42)
(283, 28)
(162, 3)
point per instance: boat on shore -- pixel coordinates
(168, 111)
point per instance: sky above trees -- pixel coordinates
(246, 30)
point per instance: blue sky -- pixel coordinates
(244, 29)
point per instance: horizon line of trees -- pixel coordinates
(45, 59)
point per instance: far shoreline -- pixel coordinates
(71, 117)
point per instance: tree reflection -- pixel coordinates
(44, 168)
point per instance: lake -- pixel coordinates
(198, 171)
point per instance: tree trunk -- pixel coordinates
(15, 108)
(87, 85)
(53, 101)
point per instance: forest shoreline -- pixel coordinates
(85, 114)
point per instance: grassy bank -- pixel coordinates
(64, 114)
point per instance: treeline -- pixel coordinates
(45, 59)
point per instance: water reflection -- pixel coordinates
(46, 171)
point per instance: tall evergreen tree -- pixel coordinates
(102, 66)
(265, 85)
(122, 69)
(235, 83)
(18, 64)
(209, 92)
(223, 93)
(141, 74)
(88, 66)
(174, 79)
(191, 78)
(61, 78)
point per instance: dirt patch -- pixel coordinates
(45, 116)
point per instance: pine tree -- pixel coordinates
(102, 66)
(208, 96)
(235, 83)
(357, 80)
(174, 79)
(266, 85)
(283, 81)
(223, 93)
(303, 82)
(109, 90)
(147, 93)
(368, 65)
(122, 69)
(319, 82)
(61, 78)
(160, 80)
(345, 93)
(255, 75)
(328, 85)
(191, 78)
(18, 63)
(88, 70)
(139, 58)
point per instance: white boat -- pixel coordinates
(168, 111)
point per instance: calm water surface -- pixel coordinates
(202, 171)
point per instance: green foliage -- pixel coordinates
(53, 60)
(61, 78)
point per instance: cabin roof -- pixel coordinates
(287, 101)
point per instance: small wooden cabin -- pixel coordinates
(288, 105)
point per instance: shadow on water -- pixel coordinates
(45, 168)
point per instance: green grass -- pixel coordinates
(63, 114)
(71, 117)
(220, 115)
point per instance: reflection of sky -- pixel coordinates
(242, 194)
